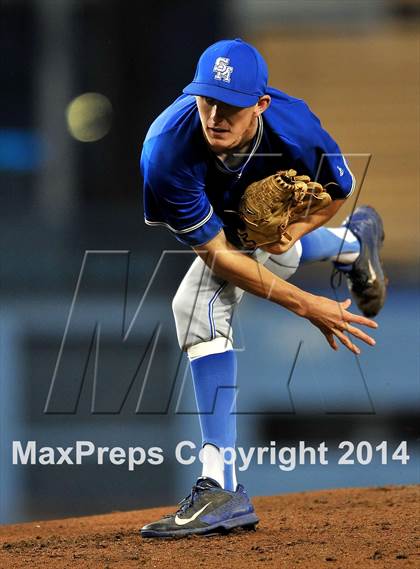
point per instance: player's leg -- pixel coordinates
(203, 309)
(330, 243)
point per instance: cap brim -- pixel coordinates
(228, 96)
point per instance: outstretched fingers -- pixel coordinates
(330, 339)
(360, 334)
(356, 318)
(338, 324)
(345, 340)
(345, 326)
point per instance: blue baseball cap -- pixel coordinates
(231, 71)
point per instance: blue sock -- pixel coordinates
(326, 243)
(214, 378)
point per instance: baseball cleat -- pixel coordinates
(208, 509)
(365, 277)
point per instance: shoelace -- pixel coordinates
(336, 279)
(188, 501)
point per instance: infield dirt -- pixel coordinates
(346, 528)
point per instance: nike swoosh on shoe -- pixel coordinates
(182, 521)
(372, 273)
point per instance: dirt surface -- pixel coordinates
(334, 529)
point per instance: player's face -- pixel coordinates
(227, 127)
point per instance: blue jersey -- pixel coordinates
(191, 192)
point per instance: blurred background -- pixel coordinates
(88, 346)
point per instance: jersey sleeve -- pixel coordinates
(175, 198)
(333, 171)
(329, 166)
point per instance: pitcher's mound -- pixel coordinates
(346, 528)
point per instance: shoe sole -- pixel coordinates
(376, 252)
(376, 261)
(246, 522)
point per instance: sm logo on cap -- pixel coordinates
(223, 69)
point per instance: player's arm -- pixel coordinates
(331, 317)
(307, 224)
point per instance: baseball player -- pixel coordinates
(227, 130)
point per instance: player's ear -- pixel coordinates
(263, 103)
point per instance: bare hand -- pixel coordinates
(334, 321)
